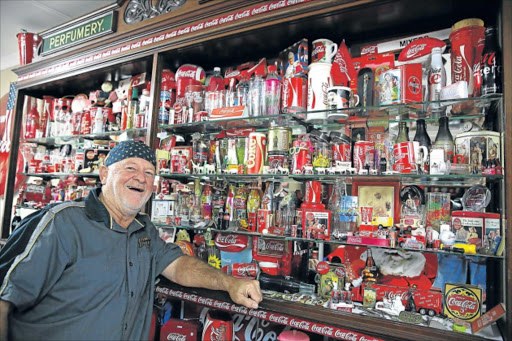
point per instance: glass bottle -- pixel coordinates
(200, 149)
(421, 135)
(196, 215)
(32, 124)
(229, 208)
(256, 97)
(335, 207)
(206, 201)
(165, 105)
(231, 159)
(403, 133)
(213, 255)
(253, 204)
(133, 109)
(490, 66)
(272, 91)
(240, 206)
(444, 139)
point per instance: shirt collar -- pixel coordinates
(96, 211)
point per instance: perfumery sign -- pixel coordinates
(93, 28)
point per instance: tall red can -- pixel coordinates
(295, 94)
(218, 326)
(341, 147)
(364, 155)
(468, 40)
(256, 151)
(313, 192)
(301, 155)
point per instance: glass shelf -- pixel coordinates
(72, 139)
(59, 175)
(461, 109)
(452, 180)
(337, 242)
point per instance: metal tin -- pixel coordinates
(279, 140)
(474, 147)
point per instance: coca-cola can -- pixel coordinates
(276, 160)
(295, 94)
(313, 192)
(85, 124)
(244, 270)
(468, 40)
(301, 155)
(218, 326)
(256, 151)
(279, 140)
(364, 155)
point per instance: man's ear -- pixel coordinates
(103, 174)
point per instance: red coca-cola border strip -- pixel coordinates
(163, 36)
(286, 320)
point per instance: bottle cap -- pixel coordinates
(216, 69)
(436, 50)
(135, 93)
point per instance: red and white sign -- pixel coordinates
(231, 242)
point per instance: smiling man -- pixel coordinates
(89, 268)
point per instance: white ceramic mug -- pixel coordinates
(324, 51)
(338, 97)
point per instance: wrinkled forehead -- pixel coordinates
(136, 161)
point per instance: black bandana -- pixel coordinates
(128, 149)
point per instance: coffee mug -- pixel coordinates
(339, 97)
(407, 156)
(324, 51)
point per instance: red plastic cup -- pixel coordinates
(27, 43)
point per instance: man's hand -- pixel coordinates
(245, 292)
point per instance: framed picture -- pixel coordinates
(369, 297)
(383, 197)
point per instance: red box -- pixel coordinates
(367, 241)
(366, 230)
(316, 223)
(264, 220)
(176, 329)
(402, 84)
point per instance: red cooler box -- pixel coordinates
(176, 329)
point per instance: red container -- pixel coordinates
(276, 161)
(313, 192)
(364, 155)
(301, 155)
(467, 39)
(85, 124)
(256, 149)
(218, 326)
(177, 330)
(342, 152)
(27, 46)
(244, 270)
(295, 94)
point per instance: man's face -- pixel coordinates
(128, 184)
(398, 263)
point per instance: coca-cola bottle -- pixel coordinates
(32, 124)
(436, 77)
(215, 82)
(229, 208)
(200, 149)
(444, 139)
(240, 204)
(206, 201)
(256, 97)
(490, 67)
(272, 91)
(421, 135)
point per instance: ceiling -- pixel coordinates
(36, 16)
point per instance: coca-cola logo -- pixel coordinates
(324, 330)
(322, 268)
(246, 270)
(272, 245)
(318, 51)
(186, 74)
(369, 50)
(300, 324)
(414, 85)
(231, 242)
(463, 303)
(343, 335)
(340, 272)
(414, 50)
(176, 337)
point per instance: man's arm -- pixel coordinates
(193, 272)
(5, 308)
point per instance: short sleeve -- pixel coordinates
(38, 267)
(163, 253)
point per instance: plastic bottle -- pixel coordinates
(256, 97)
(215, 82)
(272, 91)
(242, 89)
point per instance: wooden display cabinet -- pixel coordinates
(226, 33)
